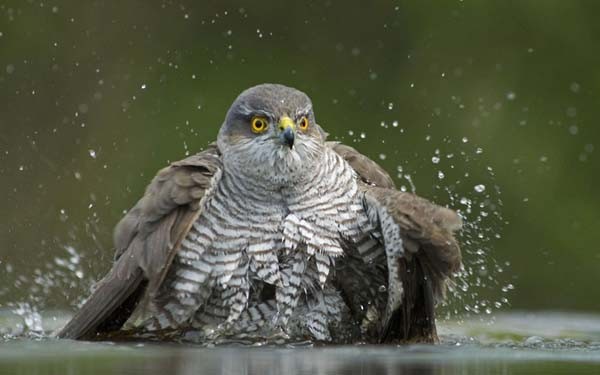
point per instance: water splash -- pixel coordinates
(463, 179)
(38, 291)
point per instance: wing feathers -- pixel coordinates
(369, 171)
(146, 240)
(431, 252)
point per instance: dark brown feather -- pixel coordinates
(146, 240)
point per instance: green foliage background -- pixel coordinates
(96, 96)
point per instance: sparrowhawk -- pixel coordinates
(275, 229)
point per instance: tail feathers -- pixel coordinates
(414, 320)
(109, 306)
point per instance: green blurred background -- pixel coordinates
(96, 96)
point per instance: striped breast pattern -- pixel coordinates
(248, 235)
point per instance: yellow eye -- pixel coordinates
(259, 124)
(303, 124)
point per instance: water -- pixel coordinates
(68, 357)
(514, 343)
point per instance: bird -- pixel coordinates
(275, 231)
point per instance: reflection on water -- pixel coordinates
(68, 357)
(518, 343)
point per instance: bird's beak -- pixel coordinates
(287, 129)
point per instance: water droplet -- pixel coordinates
(573, 129)
(363, 135)
(441, 175)
(435, 159)
(483, 271)
(479, 188)
(92, 153)
(507, 288)
(63, 215)
(575, 87)
(143, 87)
(390, 106)
(382, 156)
(465, 139)
(382, 289)
(10, 69)
(511, 95)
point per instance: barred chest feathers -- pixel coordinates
(287, 237)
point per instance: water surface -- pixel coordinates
(516, 343)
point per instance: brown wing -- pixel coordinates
(146, 240)
(433, 254)
(369, 171)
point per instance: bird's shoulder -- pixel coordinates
(175, 192)
(367, 170)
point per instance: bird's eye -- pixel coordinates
(259, 124)
(303, 124)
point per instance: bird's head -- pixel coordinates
(270, 133)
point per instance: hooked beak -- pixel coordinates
(287, 129)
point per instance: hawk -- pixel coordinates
(273, 230)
